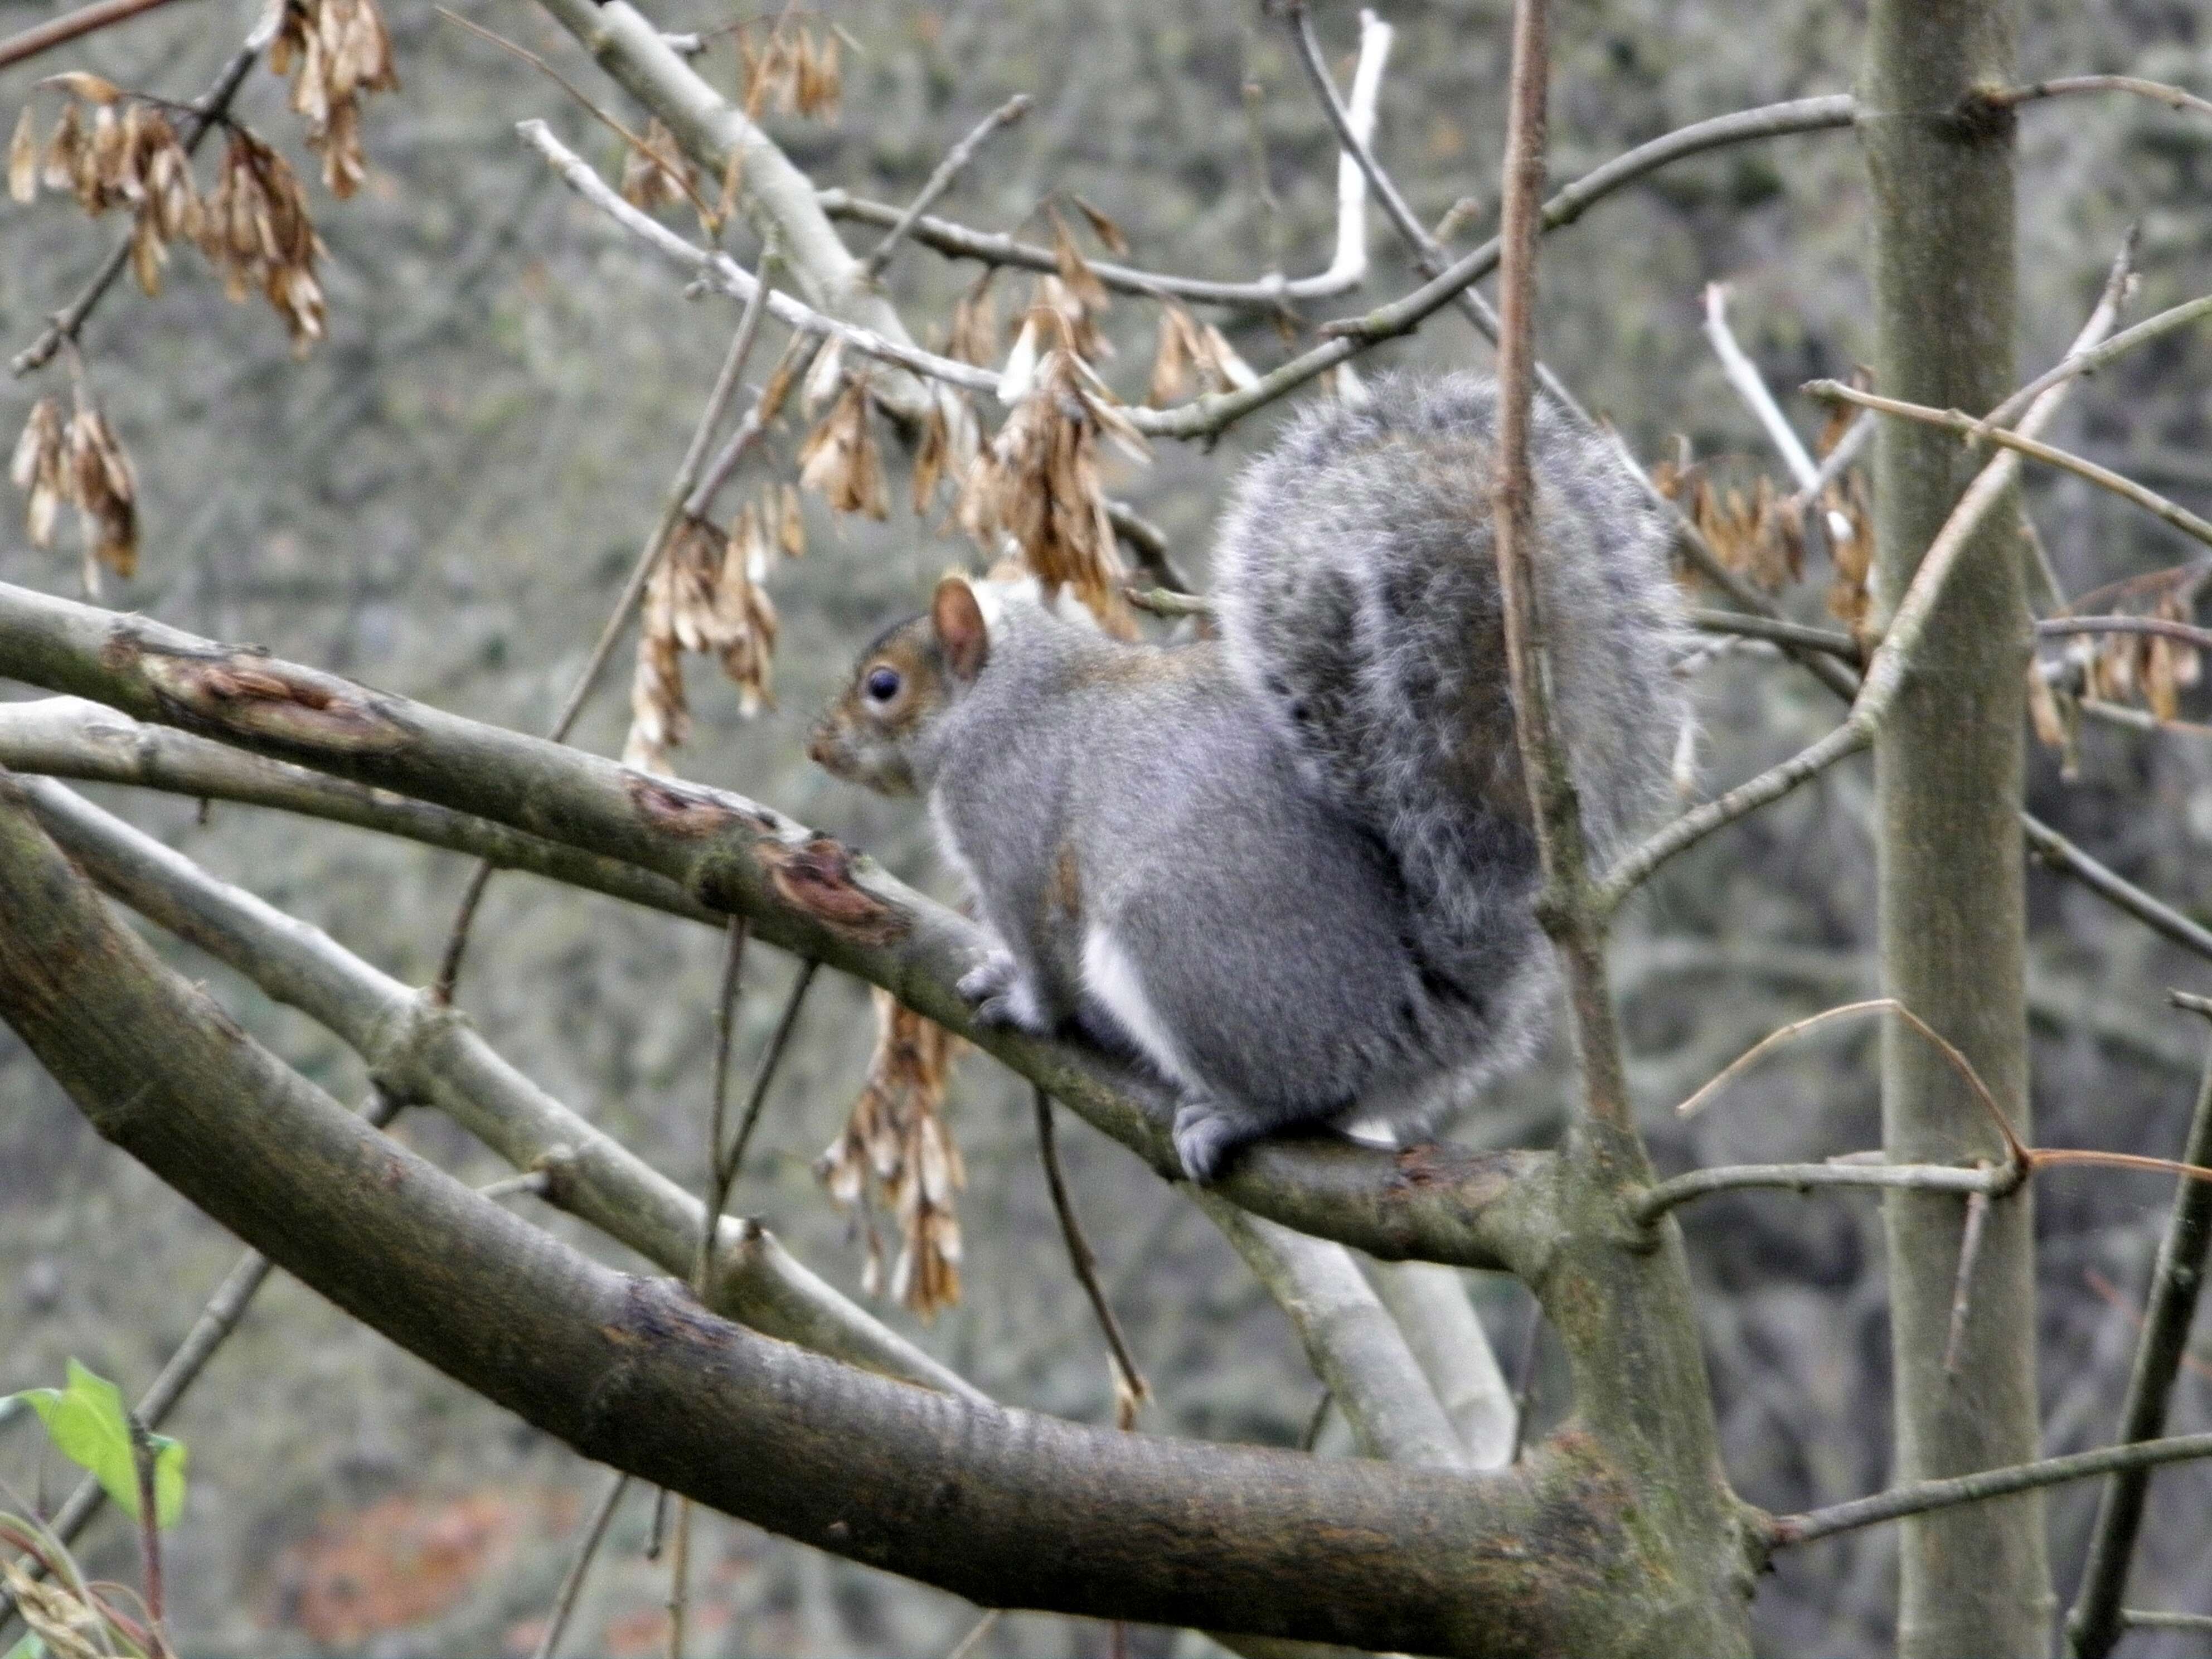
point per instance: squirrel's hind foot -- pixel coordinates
(1206, 1134)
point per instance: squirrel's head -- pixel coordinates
(905, 679)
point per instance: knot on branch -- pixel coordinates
(400, 1035)
(254, 696)
(676, 809)
(820, 876)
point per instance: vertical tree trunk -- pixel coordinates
(1948, 764)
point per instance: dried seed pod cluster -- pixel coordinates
(2150, 671)
(258, 235)
(707, 594)
(79, 462)
(651, 181)
(126, 153)
(896, 1151)
(1189, 351)
(1038, 483)
(839, 458)
(792, 70)
(335, 51)
(253, 227)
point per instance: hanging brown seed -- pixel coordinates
(1108, 233)
(1075, 272)
(974, 334)
(791, 522)
(839, 459)
(104, 490)
(650, 180)
(819, 75)
(37, 468)
(23, 158)
(896, 1151)
(1038, 483)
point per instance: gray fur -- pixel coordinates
(1307, 845)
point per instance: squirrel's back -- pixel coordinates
(1356, 581)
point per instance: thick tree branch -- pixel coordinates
(74, 737)
(802, 891)
(634, 1373)
(419, 1051)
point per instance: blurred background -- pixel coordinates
(444, 498)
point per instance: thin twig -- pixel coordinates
(2063, 856)
(1524, 1383)
(2094, 1624)
(1743, 374)
(2149, 500)
(1892, 661)
(2157, 91)
(758, 1097)
(572, 1581)
(1267, 208)
(2014, 1152)
(1828, 639)
(679, 1578)
(1919, 1498)
(672, 505)
(537, 1182)
(70, 26)
(149, 1534)
(674, 167)
(940, 181)
(2145, 1619)
(1962, 1285)
(2187, 633)
(719, 1172)
(720, 272)
(797, 353)
(1805, 1177)
(2089, 361)
(1130, 1389)
(1347, 268)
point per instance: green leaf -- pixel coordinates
(29, 1648)
(88, 1425)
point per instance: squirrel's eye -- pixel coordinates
(882, 684)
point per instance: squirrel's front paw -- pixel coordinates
(1003, 998)
(1205, 1135)
(987, 978)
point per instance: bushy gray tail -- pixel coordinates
(1356, 581)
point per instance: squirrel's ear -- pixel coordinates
(959, 620)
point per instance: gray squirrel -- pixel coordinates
(1292, 868)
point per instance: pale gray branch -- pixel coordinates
(1351, 1340)
(421, 1052)
(1431, 1305)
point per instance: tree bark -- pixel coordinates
(1007, 1507)
(1947, 765)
